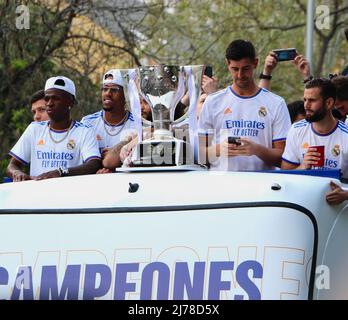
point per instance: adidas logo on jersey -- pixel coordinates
(41, 142)
(228, 110)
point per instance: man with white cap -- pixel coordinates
(57, 147)
(114, 123)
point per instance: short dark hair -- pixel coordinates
(296, 108)
(341, 84)
(38, 95)
(327, 88)
(239, 49)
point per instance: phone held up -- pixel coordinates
(285, 54)
(208, 71)
(234, 140)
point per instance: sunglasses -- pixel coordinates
(111, 89)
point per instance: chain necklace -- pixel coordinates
(123, 120)
(58, 141)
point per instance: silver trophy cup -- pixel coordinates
(162, 87)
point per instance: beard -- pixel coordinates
(317, 115)
(242, 84)
(106, 109)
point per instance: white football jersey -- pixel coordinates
(263, 118)
(107, 135)
(302, 135)
(46, 149)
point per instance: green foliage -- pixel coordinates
(26, 62)
(18, 64)
(20, 119)
(3, 166)
(198, 32)
(173, 32)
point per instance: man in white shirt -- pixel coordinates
(258, 118)
(58, 147)
(114, 123)
(320, 128)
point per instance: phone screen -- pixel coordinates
(234, 140)
(208, 71)
(285, 54)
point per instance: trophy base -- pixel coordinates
(169, 152)
(182, 168)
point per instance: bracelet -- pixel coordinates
(265, 76)
(308, 79)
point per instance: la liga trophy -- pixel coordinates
(162, 87)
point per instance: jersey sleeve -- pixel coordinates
(282, 123)
(22, 149)
(83, 120)
(86, 120)
(90, 148)
(292, 151)
(205, 122)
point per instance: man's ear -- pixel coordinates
(73, 100)
(330, 103)
(256, 62)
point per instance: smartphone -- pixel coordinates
(285, 54)
(234, 140)
(208, 71)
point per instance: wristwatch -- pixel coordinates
(63, 171)
(265, 76)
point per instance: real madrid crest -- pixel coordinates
(262, 112)
(336, 150)
(71, 144)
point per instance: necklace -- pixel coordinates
(58, 141)
(112, 134)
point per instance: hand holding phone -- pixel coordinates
(285, 54)
(234, 140)
(210, 84)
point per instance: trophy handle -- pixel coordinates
(125, 77)
(193, 90)
(180, 92)
(131, 93)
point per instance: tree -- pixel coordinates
(83, 38)
(64, 37)
(188, 34)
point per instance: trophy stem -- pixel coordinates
(162, 134)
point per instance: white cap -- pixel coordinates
(61, 83)
(116, 77)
